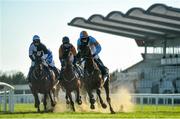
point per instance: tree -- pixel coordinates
(13, 79)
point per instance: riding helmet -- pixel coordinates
(65, 40)
(83, 34)
(36, 38)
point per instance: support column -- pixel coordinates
(164, 47)
(145, 50)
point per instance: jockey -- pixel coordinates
(37, 49)
(95, 50)
(65, 48)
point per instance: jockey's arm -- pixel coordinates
(60, 53)
(31, 56)
(73, 50)
(96, 44)
(78, 45)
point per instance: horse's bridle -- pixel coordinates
(39, 70)
(67, 62)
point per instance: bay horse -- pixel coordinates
(93, 78)
(43, 83)
(70, 81)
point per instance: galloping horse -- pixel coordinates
(70, 81)
(42, 82)
(93, 78)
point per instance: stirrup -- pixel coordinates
(105, 77)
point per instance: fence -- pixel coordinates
(6, 98)
(156, 99)
(142, 99)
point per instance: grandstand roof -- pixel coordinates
(151, 26)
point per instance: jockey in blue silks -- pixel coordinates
(95, 48)
(39, 49)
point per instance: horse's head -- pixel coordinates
(86, 55)
(39, 66)
(85, 51)
(67, 55)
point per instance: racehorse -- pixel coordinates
(70, 81)
(93, 78)
(44, 83)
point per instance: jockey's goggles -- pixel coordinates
(36, 42)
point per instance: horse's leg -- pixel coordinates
(98, 91)
(58, 87)
(91, 99)
(84, 96)
(53, 103)
(37, 102)
(106, 86)
(67, 99)
(71, 101)
(78, 98)
(45, 102)
(52, 92)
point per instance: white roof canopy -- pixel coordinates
(152, 26)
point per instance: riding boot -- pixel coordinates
(48, 72)
(29, 73)
(60, 74)
(56, 72)
(104, 70)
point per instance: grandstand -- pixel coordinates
(157, 30)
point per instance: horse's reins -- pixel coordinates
(84, 59)
(69, 80)
(65, 79)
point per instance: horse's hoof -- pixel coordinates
(79, 102)
(104, 105)
(113, 112)
(74, 109)
(92, 101)
(50, 110)
(67, 102)
(45, 110)
(92, 107)
(35, 105)
(38, 110)
(53, 104)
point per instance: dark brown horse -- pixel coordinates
(44, 83)
(93, 78)
(70, 81)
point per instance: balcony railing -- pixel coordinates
(170, 61)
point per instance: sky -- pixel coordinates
(21, 19)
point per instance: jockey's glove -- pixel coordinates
(75, 60)
(94, 55)
(44, 57)
(32, 57)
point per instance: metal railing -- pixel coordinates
(156, 99)
(170, 61)
(6, 97)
